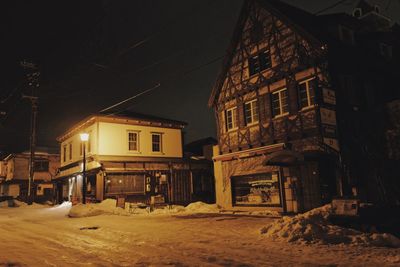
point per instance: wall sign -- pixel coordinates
(329, 96)
(333, 143)
(328, 116)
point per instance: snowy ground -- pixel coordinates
(42, 236)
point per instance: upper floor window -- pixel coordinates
(156, 142)
(133, 141)
(346, 35)
(251, 112)
(260, 62)
(307, 93)
(64, 153)
(357, 12)
(230, 118)
(386, 50)
(70, 151)
(280, 104)
(41, 165)
(89, 143)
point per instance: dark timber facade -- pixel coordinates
(276, 102)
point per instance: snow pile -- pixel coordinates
(173, 209)
(201, 207)
(14, 203)
(106, 207)
(313, 227)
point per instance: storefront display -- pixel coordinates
(256, 190)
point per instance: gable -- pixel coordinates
(277, 30)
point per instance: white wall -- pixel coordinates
(113, 140)
(76, 142)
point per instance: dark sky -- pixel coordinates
(93, 54)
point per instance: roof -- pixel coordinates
(304, 22)
(196, 147)
(125, 117)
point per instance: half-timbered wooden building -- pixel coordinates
(276, 101)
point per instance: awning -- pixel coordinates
(284, 158)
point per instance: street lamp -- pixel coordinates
(84, 139)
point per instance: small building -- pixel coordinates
(14, 169)
(132, 155)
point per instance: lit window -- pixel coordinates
(133, 141)
(230, 118)
(260, 62)
(251, 112)
(280, 105)
(307, 93)
(156, 142)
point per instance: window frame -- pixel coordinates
(234, 118)
(160, 142)
(254, 112)
(257, 58)
(128, 141)
(70, 151)
(307, 83)
(281, 113)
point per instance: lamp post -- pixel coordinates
(84, 139)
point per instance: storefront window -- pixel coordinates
(125, 183)
(256, 190)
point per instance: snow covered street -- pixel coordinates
(43, 236)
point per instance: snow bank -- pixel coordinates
(314, 227)
(201, 207)
(14, 203)
(106, 207)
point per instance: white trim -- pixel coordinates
(281, 113)
(137, 141)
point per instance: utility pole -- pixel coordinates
(33, 82)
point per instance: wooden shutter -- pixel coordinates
(292, 95)
(240, 115)
(265, 108)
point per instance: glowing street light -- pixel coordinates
(84, 139)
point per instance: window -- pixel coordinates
(346, 35)
(307, 93)
(230, 119)
(89, 143)
(260, 62)
(125, 183)
(357, 12)
(41, 165)
(70, 151)
(385, 50)
(133, 141)
(251, 112)
(280, 105)
(156, 144)
(64, 153)
(256, 190)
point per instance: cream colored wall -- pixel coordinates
(75, 140)
(113, 140)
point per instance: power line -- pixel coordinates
(330, 7)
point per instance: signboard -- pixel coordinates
(328, 116)
(329, 96)
(329, 131)
(332, 142)
(120, 202)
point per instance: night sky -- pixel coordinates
(93, 54)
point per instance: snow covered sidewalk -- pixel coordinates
(42, 236)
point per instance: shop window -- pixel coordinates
(280, 104)
(251, 112)
(260, 62)
(125, 183)
(307, 93)
(256, 190)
